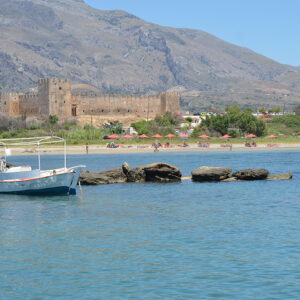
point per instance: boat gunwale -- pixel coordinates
(35, 178)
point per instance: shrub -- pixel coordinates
(288, 120)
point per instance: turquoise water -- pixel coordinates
(157, 241)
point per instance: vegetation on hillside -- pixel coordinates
(235, 123)
(161, 124)
(31, 127)
(287, 125)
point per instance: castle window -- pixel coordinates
(59, 88)
(128, 110)
(4, 102)
(102, 110)
(64, 101)
(83, 111)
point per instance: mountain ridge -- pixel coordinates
(117, 52)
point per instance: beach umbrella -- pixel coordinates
(226, 136)
(251, 135)
(143, 136)
(272, 136)
(183, 135)
(170, 135)
(204, 136)
(127, 136)
(157, 136)
(113, 136)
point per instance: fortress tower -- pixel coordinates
(10, 104)
(55, 97)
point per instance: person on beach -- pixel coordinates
(87, 148)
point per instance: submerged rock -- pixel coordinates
(281, 176)
(251, 174)
(105, 177)
(230, 179)
(203, 174)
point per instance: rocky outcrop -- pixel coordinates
(203, 174)
(157, 172)
(251, 174)
(105, 177)
(126, 168)
(281, 176)
(136, 175)
(162, 172)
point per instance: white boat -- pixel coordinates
(24, 180)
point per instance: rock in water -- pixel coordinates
(281, 176)
(251, 174)
(157, 172)
(136, 175)
(162, 172)
(105, 177)
(210, 174)
(126, 168)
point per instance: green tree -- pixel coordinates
(276, 109)
(233, 109)
(262, 110)
(189, 119)
(53, 119)
(248, 110)
(241, 121)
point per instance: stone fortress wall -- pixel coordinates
(54, 97)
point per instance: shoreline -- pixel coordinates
(100, 149)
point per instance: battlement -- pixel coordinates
(8, 95)
(53, 80)
(28, 96)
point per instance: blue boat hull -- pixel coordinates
(58, 191)
(63, 183)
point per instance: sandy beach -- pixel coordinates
(101, 149)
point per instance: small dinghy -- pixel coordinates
(24, 180)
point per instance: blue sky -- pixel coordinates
(268, 27)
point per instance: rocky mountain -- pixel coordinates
(116, 52)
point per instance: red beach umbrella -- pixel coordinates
(157, 136)
(170, 135)
(204, 136)
(127, 136)
(113, 136)
(143, 136)
(183, 135)
(272, 136)
(251, 135)
(226, 136)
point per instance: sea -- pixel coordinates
(233, 240)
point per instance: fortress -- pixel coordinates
(54, 97)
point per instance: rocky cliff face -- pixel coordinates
(117, 52)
